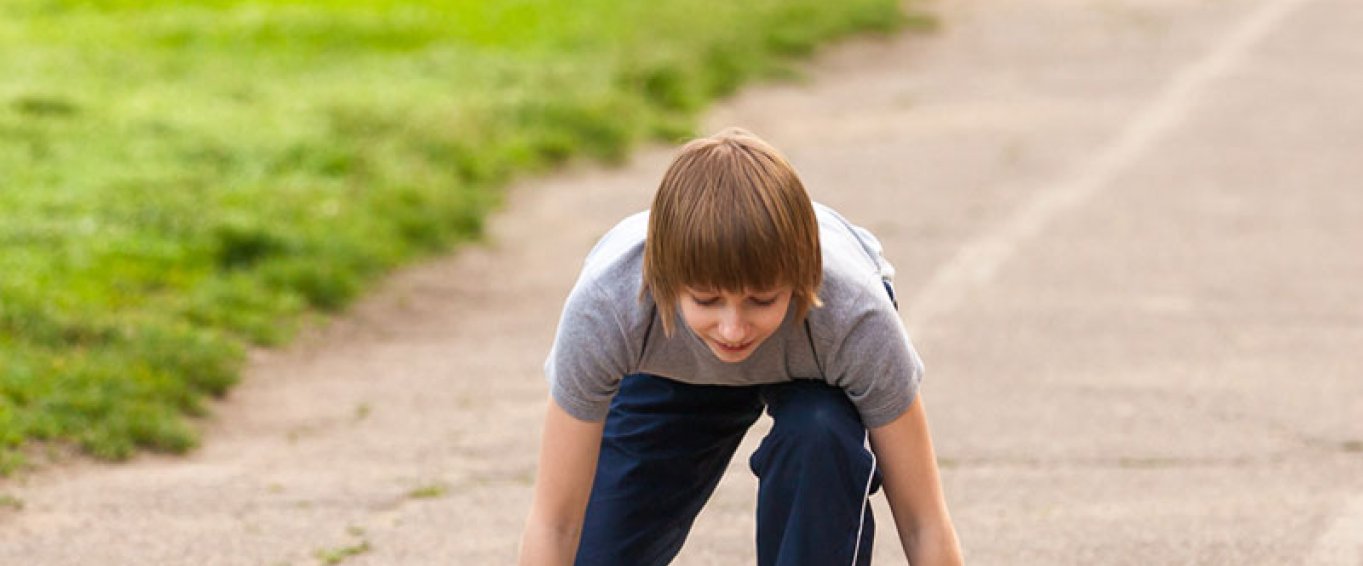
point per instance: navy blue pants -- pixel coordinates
(666, 444)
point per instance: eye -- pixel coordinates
(705, 302)
(762, 302)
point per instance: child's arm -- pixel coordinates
(568, 453)
(908, 467)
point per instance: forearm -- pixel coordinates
(544, 544)
(932, 546)
(913, 489)
(568, 452)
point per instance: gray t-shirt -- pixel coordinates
(856, 341)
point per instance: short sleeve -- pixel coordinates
(589, 356)
(877, 366)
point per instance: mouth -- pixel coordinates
(730, 347)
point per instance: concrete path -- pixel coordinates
(1130, 242)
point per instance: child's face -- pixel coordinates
(733, 324)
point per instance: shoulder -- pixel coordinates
(849, 247)
(614, 266)
(620, 246)
(853, 290)
(612, 275)
(853, 266)
(849, 299)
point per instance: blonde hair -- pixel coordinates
(731, 214)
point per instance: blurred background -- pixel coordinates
(180, 180)
(295, 265)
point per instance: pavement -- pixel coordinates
(1129, 236)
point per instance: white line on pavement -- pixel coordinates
(977, 262)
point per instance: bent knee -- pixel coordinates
(815, 414)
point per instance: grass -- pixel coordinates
(180, 181)
(11, 502)
(338, 555)
(431, 491)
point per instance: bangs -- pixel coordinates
(731, 215)
(736, 248)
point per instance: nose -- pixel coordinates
(731, 326)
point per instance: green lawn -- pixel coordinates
(179, 180)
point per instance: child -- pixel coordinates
(733, 294)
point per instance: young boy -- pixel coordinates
(733, 294)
